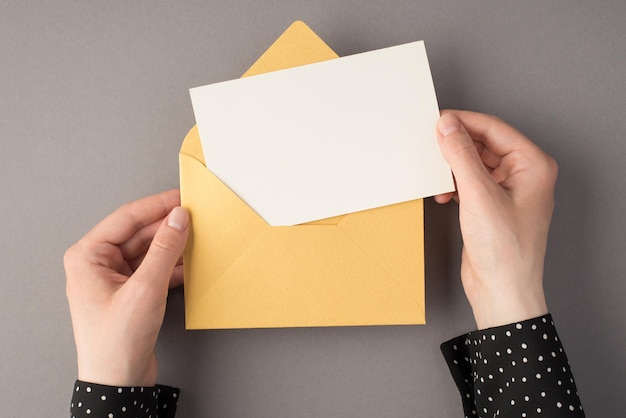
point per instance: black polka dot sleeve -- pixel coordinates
(92, 400)
(516, 370)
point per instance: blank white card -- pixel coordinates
(326, 139)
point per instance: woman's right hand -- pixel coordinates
(505, 191)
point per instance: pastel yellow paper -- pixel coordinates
(364, 268)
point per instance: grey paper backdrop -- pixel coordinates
(94, 106)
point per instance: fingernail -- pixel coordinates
(448, 124)
(178, 218)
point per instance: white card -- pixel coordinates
(326, 139)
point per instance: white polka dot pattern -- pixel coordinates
(517, 370)
(93, 400)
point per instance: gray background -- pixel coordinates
(94, 106)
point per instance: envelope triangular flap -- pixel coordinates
(364, 268)
(298, 45)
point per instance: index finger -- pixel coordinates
(124, 222)
(498, 137)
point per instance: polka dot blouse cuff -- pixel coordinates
(92, 400)
(516, 370)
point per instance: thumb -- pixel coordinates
(165, 250)
(461, 154)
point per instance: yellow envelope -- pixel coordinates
(363, 268)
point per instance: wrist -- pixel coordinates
(114, 373)
(501, 307)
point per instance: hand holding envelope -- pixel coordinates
(345, 246)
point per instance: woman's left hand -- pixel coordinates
(118, 277)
